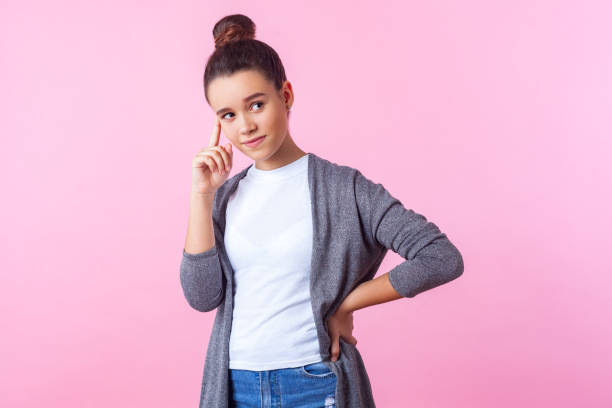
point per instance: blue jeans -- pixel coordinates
(309, 386)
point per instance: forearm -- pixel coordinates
(200, 232)
(200, 273)
(372, 292)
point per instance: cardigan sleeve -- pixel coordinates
(202, 278)
(430, 258)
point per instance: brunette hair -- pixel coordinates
(237, 49)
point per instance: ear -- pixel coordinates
(287, 94)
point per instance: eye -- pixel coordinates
(254, 103)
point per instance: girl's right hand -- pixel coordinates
(212, 164)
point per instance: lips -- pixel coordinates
(253, 140)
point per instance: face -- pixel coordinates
(244, 117)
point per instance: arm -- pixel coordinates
(201, 275)
(200, 231)
(430, 258)
(370, 293)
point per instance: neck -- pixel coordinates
(287, 153)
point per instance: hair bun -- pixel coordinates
(234, 27)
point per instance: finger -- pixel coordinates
(225, 158)
(204, 161)
(214, 137)
(353, 340)
(335, 349)
(216, 155)
(230, 150)
(230, 154)
(212, 159)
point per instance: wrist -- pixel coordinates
(345, 307)
(208, 196)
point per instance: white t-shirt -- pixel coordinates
(268, 239)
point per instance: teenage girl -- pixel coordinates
(275, 353)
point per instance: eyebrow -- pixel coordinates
(255, 95)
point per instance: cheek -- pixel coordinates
(277, 120)
(229, 132)
(226, 131)
(234, 141)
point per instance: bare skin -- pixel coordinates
(268, 115)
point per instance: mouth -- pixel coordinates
(254, 141)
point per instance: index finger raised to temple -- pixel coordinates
(214, 137)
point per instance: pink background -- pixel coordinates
(490, 118)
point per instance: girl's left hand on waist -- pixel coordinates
(340, 324)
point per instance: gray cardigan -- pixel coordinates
(355, 221)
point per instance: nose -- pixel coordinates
(247, 126)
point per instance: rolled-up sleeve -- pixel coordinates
(202, 279)
(430, 258)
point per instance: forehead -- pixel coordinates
(225, 91)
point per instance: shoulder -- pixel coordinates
(334, 172)
(344, 175)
